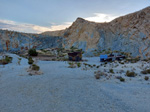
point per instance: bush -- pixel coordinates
(35, 67)
(79, 65)
(6, 60)
(99, 74)
(146, 71)
(130, 74)
(97, 66)
(111, 71)
(94, 65)
(32, 52)
(71, 65)
(30, 60)
(122, 79)
(146, 78)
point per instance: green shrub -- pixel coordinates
(30, 60)
(97, 66)
(94, 65)
(111, 71)
(122, 79)
(71, 65)
(130, 74)
(19, 60)
(79, 65)
(6, 60)
(32, 52)
(35, 67)
(146, 71)
(146, 78)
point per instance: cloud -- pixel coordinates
(30, 28)
(99, 17)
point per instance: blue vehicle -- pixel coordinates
(111, 57)
(103, 58)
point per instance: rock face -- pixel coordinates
(15, 41)
(130, 33)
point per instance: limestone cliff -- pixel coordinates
(15, 41)
(129, 33)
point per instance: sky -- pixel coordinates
(36, 16)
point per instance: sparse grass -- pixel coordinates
(99, 74)
(130, 74)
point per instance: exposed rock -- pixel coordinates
(130, 33)
(15, 41)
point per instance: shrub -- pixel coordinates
(97, 66)
(6, 60)
(71, 65)
(146, 78)
(98, 74)
(79, 65)
(94, 65)
(30, 60)
(130, 74)
(35, 67)
(122, 79)
(146, 71)
(32, 52)
(19, 60)
(111, 71)
(122, 63)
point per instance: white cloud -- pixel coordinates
(30, 28)
(99, 17)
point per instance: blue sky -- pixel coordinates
(36, 16)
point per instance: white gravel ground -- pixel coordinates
(63, 89)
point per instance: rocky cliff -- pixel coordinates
(129, 33)
(15, 41)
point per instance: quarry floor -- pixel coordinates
(63, 89)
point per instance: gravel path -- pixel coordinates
(62, 89)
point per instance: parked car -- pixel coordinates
(111, 57)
